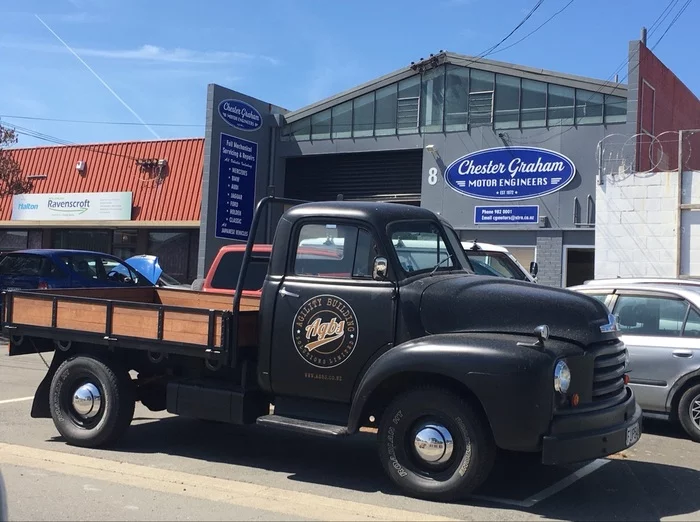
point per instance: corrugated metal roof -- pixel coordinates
(112, 167)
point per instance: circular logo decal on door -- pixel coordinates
(325, 331)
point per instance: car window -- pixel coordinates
(326, 250)
(599, 297)
(652, 316)
(225, 276)
(22, 265)
(420, 246)
(692, 325)
(499, 262)
(117, 272)
(84, 265)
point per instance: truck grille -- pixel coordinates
(608, 372)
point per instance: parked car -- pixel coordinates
(488, 259)
(149, 266)
(660, 325)
(53, 268)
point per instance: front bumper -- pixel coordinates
(580, 436)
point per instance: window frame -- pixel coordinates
(652, 294)
(290, 271)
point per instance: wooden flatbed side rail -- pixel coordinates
(149, 326)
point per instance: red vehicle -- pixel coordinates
(223, 273)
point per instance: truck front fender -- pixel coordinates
(512, 384)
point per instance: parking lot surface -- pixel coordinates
(171, 468)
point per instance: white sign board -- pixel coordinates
(85, 206)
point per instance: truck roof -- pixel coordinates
(379, 214)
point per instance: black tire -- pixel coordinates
(473, 452)
(116, 408)
(690, 400)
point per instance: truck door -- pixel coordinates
(330, 315)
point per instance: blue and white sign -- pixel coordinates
(240, 115)
(235, 202)
(504, 215)
(510, 173)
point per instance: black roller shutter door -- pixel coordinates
(359, 175)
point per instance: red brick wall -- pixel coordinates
(665, 104)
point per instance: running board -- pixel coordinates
(302, 426)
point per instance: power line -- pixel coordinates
(491, 49)
(670, 25)
(536, 29)
(98, 122)
(24, 131)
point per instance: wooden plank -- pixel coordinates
(32, 311)
(134, 322)
(90, 317)
(138, 294)
(204, 300)
(185, 327)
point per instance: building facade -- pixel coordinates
(119, 198)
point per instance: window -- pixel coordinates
(82, 239)
(363, 115)
(589, 107)
(651, 316)
(321, 125)
(102, 269)
(334, 250)
(615, 109)
(433, 100)
(420, 245)
(124, 243)
(600, 297)
(13, 240)
(22, 265)
(480, 97)
(226, 274)
(408, 105)
(507, 105)
(456, 98)
(301, 129)
(560, 105)
(385, 123)
(692, 325)
(494, 264)
(342, 120)
(534, 104)
(172, 249)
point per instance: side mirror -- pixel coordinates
(533, 268)
(381, 268)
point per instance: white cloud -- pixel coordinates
(152, 53)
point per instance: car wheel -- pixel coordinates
(434, 445)
(92, 403)
(689, 412)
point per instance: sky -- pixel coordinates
(155, 58)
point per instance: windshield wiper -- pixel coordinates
(448, 258)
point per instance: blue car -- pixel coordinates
(51, 268)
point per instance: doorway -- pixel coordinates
(579, 265)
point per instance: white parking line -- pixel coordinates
(551, 490)
(19, 399)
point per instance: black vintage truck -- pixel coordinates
(380, 325)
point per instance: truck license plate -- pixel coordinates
(632, 434)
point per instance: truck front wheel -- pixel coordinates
(434, 445)
(92, 403)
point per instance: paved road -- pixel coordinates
(170, 468)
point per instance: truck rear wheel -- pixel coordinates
(434, 445)
(92, 403)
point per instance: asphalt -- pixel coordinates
(171, 468)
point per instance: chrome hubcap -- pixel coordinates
(695, 411)
(87, 400)
(433, 444)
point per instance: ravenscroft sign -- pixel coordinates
(510, 173)
(84, 206)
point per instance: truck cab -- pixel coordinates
(384, 327)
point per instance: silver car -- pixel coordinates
(660, 325)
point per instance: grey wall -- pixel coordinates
(266, 138)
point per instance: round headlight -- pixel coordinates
(562, 377)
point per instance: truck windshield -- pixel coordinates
(420, 246)
(495, 264)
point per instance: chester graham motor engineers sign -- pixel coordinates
(510, 173)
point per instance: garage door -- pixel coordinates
(365, 175)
